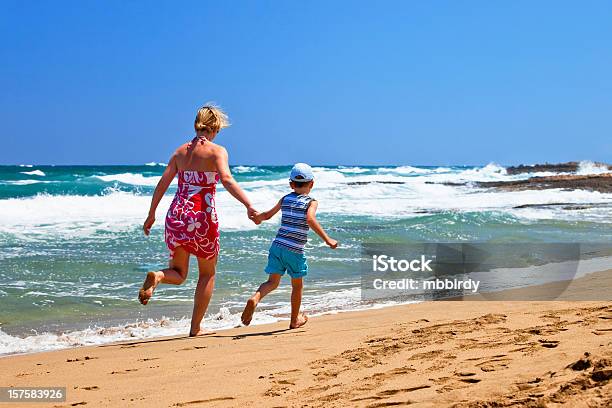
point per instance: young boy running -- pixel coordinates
(287, 249)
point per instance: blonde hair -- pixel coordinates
(210, 118)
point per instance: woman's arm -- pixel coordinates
(160, 190)
(266, 215)
(221, 161)
(311, 218)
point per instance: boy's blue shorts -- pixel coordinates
(281, 259)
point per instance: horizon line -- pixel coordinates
(163, 164)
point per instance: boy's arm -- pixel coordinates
(311, 218)
(266, 215)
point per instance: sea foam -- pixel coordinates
(34, 173)
(132, 178)
(385, 194)
(330, 302)
(588, 167)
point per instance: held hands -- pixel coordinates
(148, 224)
(254, 215)
(261, 217)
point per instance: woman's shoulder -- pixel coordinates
(217, 148)
(185, 147)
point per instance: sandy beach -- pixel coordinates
(465, 354)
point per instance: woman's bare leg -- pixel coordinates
(297, 319)
(265, 288)
(175, 274)
(203, 293)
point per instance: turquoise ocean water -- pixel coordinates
(73, 254)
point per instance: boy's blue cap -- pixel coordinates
(301, 172)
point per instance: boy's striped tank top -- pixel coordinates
(293, 232)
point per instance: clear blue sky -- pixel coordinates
(326, 82)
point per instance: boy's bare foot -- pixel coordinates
(201, 332)
(148, 287)
(249, 309)
(302, 319)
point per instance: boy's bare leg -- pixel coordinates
(175, 274)
(264, 289)
(297, 319)
(203, 293)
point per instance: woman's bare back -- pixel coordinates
(198, 156)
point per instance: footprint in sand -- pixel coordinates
(80, 359)
(281, 385)
(295, 370)
(549, 343)
(464, 377)
(376, 380)
(470, 380)
(124, 371)
(204, 401)
(528, 384)
(498, 362)
(387, 393)
(393, 373)
(390, 393)
(148, 359)
(191, 348)
(440, 380)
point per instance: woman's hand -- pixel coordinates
(148, 224)
(252, 213)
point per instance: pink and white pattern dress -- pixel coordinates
(191, 221)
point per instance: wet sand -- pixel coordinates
(450, 353)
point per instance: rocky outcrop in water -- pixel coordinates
(592, 182)
(568, 167)
(566, 206)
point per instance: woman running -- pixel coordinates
(192, 227)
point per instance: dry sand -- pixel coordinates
(466, 354)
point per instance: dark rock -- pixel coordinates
(594, 182)
(602, 375)
(581, 364)
(361, 183)
(568, 167)
(448, 183)
(565, 206)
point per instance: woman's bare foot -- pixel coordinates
(249, 309)
(148, 287)
(301, 320)
(200, 332)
